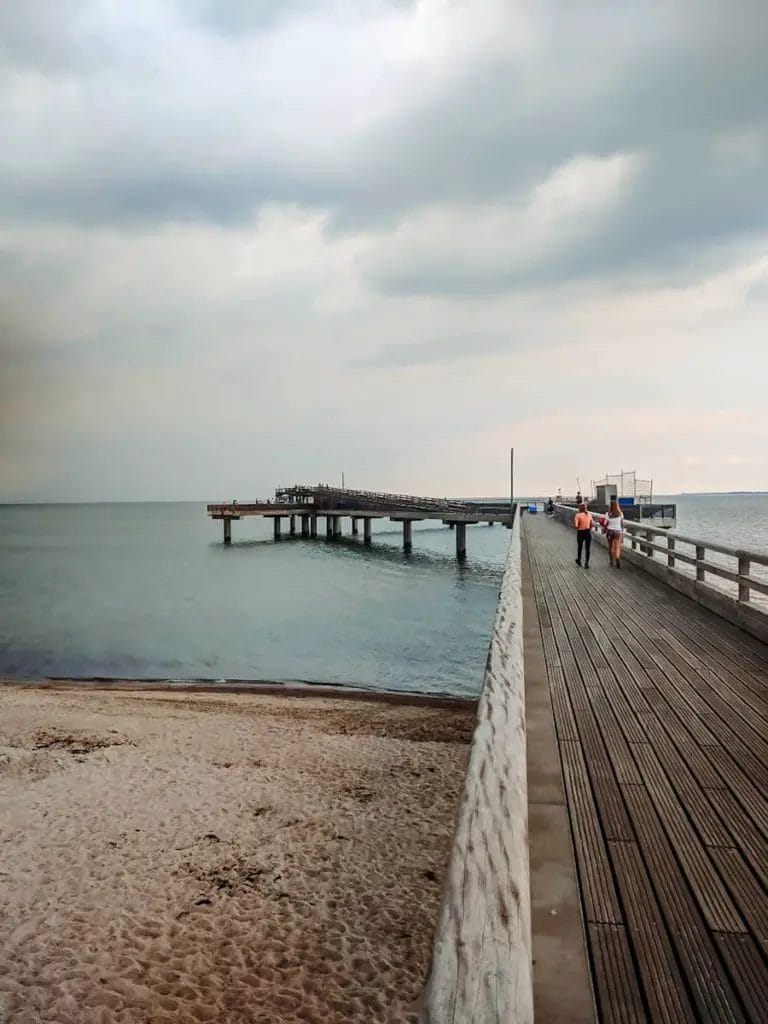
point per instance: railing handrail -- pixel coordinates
(724, 549)
(482, 961)
(641, 535)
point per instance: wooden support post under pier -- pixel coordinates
(337, 526)
(407, 534)
(367, 531)
(277, 524)
(227, 531)
(461, 541)
(313, 526)
(354, 526)
(305, 526)
(293, 525)
(329, 527)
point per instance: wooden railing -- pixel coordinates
(481, 963)
(644, 543)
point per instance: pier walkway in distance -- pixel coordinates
(661, 717)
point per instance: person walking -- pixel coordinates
(614, 531)
(583, 523)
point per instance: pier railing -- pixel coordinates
(689, 563)
(481, 963)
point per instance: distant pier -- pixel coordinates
(300, 507)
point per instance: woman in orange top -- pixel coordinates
(583, 523)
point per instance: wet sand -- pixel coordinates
(174, 857)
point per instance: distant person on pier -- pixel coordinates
(550, 507)
(579, 499)
(583, 523)
(614, 531)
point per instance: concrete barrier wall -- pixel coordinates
(482, 963)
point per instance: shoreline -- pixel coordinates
(289, 688)
(187, 855)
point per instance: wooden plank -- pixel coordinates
(752, 800)
(710, 988)
(662, 982)
(746, 891)
(746, 836)
(749, 972)
(701, 874)
(600, 900)
(693, 798)
(481, 960)
(608, 796)
(618, 993)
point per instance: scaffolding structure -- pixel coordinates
(628, 485)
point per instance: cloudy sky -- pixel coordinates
(250, 242)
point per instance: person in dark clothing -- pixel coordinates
(583, 523)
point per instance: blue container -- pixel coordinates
(626, 502)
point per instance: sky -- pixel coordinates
(247, 243)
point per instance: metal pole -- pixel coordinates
(511, 482)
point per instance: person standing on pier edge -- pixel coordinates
(583, 523)
(614, 531)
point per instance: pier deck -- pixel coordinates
(661, 716)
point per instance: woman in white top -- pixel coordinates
(614, 530)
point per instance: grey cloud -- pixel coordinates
(238, 16)
(610, 78)
(53, 36)
(436, 351)
(758, 291)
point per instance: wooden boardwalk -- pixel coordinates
(661, 712)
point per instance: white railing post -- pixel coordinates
(743, 571)
(700, 553)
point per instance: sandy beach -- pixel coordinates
(187, 857)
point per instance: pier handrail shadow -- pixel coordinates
(482, 961)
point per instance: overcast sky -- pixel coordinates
(250, 242)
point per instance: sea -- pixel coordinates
(149, 591)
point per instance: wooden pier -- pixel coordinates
(307, 505)
(635, 720)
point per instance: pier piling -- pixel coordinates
(407, 534)
(355, 530)
(366, 531)
(293, 526)
(461, 541)
(329, 527)
(337, 526)
(277, 523)
(305, 526)
(313, 526)
(227, 531)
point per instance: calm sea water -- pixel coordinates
(149, 591)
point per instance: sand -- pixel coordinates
(184, 857)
